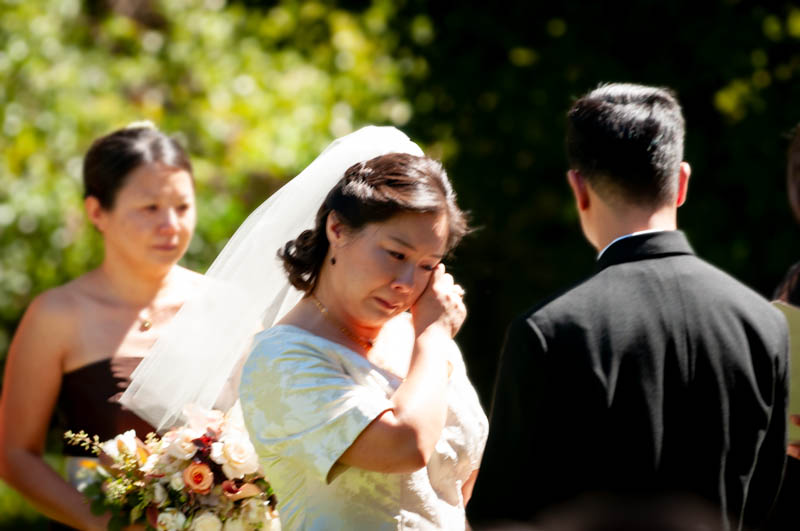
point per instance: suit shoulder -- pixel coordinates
(559, 297)
(561, 305)
(721, 287)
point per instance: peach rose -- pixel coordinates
(198, 478)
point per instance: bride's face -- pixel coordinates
(382, 269)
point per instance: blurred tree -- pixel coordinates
(499, 79)
(254, 94)
(256, 88)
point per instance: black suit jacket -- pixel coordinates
(658, 375)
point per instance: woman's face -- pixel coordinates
(153, 217)
(382, 269)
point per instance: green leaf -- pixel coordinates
(136, 513)
(116, 523)
(93, 490)
(98, 507)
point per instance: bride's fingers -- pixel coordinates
(795, 419)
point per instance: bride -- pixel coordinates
(357, 400)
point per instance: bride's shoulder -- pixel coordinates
(284, 347)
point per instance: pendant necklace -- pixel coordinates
(364, 342)
(145, 323)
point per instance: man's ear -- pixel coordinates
(683, 183)
(579, 189)
(95, 212)
(335, 230)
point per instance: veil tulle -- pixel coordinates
(245, 288)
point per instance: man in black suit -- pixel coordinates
(657, 377)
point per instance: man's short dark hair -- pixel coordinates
(626, 140)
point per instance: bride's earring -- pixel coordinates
(333, 260)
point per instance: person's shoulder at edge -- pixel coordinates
(706, 277)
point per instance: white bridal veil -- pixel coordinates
(246, 285)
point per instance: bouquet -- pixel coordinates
(202, 476)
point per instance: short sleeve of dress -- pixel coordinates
(301, 403)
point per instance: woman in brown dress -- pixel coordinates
(784, 514)
(77, 344)
(789, 289)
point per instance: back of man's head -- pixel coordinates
(627, 141)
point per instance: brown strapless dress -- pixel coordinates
(89, 401)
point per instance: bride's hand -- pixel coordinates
(440, 304)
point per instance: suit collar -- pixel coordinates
(644, 246)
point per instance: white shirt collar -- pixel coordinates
(648, 231)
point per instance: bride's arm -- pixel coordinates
(30, 389)
(403, 438)
(468, 486)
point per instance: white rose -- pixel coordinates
(110, 449)
(236, 454)
(127, 442)
(179, 443)
(170, 520)
(159, 494)
(206, 522)
(254, 511)
(150, 464)
(176, 481)
(234, 524)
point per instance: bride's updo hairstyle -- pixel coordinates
(111, 158)
(371, 192)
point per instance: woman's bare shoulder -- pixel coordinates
(47, 329)
(60, 302)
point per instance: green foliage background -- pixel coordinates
(256, 89)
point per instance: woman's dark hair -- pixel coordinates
(371, 192)
(789, 288)
(793, 173)
(111, 158)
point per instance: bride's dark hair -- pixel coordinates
(374, 191)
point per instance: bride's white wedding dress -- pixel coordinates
(305, 400)
(298, 440)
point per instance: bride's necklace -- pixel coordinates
(145, 323)
(365, 343)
